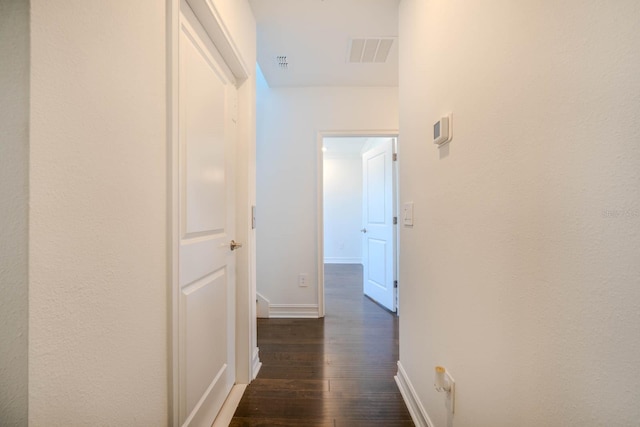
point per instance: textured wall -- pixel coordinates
(289, 120)
(521, 274)
(14, 167)
(98, 273)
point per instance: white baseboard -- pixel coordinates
(229, 407)
(256, 364)
(417, 411)
(292, 311)
(262, 307)
(331, 260)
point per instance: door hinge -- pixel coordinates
(395, 219)
(395, 157)
(395, 284)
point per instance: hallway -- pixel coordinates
(331, 372)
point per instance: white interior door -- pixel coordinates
(378, 249)
(206, 311)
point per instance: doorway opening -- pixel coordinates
(358, 205)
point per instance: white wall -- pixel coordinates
(98, 309)
(14, 196)
(521, 273)
(289, 120)
(342, 188)
(98, 224)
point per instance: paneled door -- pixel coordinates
(378, 248)
(206, 311)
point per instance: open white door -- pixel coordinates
(378, 249)
(206, 312)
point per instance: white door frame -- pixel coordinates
(320, 227)
(247, 362)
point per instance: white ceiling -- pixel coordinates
(314, 35)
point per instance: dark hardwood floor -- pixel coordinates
(331, 372)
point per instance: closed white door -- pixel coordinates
(378, 249)
(206, 318)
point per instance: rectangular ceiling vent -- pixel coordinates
(369, 50)
(281, 62)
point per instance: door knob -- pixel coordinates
(233, 245)
(364, 230)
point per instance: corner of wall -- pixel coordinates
(14, 211)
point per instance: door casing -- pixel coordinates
(320, 193)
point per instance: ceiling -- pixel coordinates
(315, 37)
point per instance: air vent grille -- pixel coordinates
(369, 50)
(282, 62)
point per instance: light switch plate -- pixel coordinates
(303, 280)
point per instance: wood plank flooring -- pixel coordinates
(331, 372)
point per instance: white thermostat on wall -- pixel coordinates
(442, 130)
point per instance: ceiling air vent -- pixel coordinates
(281, 62)
(369, 49)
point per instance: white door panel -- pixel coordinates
(206, 325)
(204, 305)
(375, 188)
(203, 90)
(378, 228)
(196, 255)
(377, 270)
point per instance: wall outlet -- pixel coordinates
(444, 382)
(303, 280)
